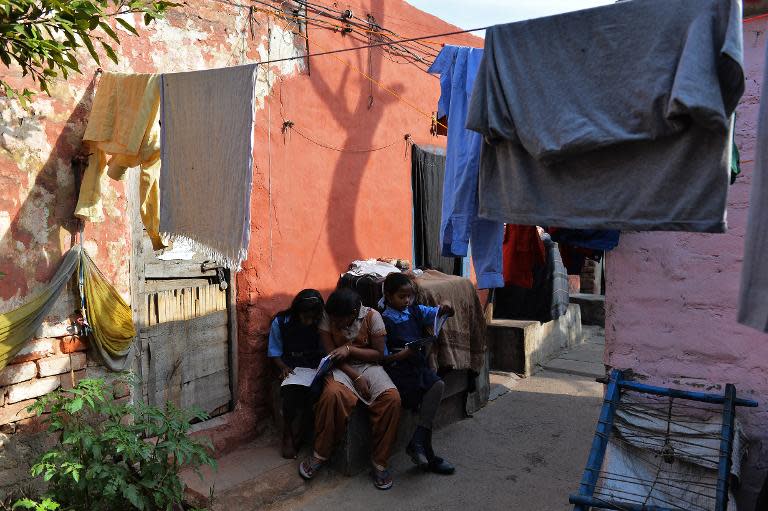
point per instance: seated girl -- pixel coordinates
(354, 337)
(294, 342)
(419, 386)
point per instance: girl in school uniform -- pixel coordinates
(419, 386)
(294, 342)
(354, 337)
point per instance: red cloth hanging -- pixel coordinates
(523, 250)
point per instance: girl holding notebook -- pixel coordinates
(419, 386)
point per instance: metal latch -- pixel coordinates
(220, 275)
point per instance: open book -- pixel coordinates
(440, 320)
(307, 376)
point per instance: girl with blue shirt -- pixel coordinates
(294, 342)
(419, 386)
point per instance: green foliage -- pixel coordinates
(42, 36)
(115, 456)
(45, 505)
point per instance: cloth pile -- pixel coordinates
(462, 341)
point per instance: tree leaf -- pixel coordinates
(76, 405)
(110, 52)
(111, 33)
(89, 45)
(127, 26)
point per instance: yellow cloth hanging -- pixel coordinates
(106, 312)
(20, 325)
(124, 125)
(108, 315)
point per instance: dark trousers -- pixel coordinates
(296, 399)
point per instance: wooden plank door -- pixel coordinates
(185, 316)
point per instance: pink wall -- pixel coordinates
(671, 298)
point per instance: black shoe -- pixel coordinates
(439, 466)
(418, 454)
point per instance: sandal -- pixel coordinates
(309, 467)
(382, 479)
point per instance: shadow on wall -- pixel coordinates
(349, 169)
(32, 243)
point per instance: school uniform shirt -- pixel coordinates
(428, 314)
(460, 225)
(365, 327)
(413, 377)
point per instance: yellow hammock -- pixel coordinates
(107, 313)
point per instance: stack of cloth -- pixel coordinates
(462, 341)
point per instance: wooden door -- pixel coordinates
(185, 317)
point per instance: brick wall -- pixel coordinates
(42, 366)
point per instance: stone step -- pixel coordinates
(590, 369)
(250, 478)
(520, 346)
(592, 308)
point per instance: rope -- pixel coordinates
(341, 149)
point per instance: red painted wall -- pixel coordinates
(314, 209)
(327, 208)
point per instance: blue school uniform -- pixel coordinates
(413, 376)
(297, 344)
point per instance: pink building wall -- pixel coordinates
(671, 298)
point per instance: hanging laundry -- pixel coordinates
(207, 153)
(460, 226)
(108, 315)
(603, 241)
(753, 299)
(427, 177)
(124, 126)
(19, 325)
(558, 278)
(523, 252)
(616, 117)
(735, 157)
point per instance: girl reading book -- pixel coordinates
(354, 337)
(294, 344)
(419, 386)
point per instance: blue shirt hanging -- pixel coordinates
(460, 225)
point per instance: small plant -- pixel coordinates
(115, 456)
(45, 505)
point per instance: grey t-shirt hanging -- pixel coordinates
(753, 302)
(616, 117)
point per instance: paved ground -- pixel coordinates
(525, 452)
(585, 359)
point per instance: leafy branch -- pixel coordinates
(42, 37)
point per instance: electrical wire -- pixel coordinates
(367, 76)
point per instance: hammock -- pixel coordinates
(106, 313)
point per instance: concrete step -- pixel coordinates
(592, 308)
(250, 478)
(520, 346)
(583, 360)
(576, 367)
